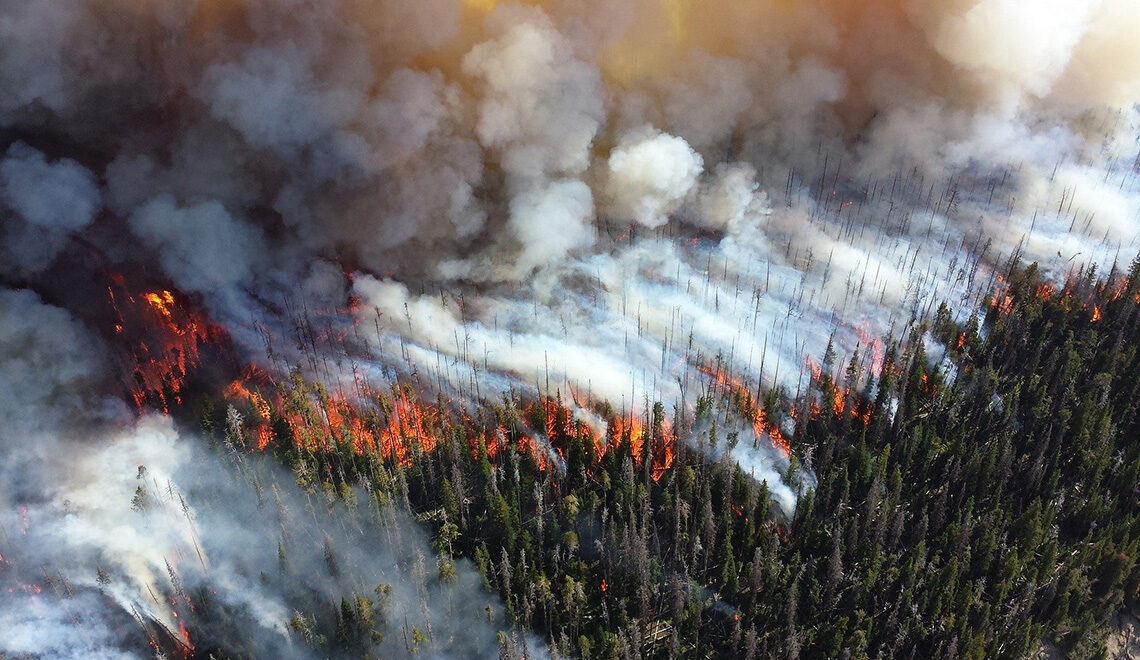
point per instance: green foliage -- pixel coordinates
(973, 506)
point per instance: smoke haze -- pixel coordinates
(123, 518)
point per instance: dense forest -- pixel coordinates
(975, 494)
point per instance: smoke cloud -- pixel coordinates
(108, 524)
(48, 202)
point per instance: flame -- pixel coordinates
(162, 342)
(627, 430)
(321, 422)
(184, 635)
(1095, 314)
(161, 301)
(410, 423)
(875, 345)
(528, 446)
(761, 425)
(666, 453)
(928, 388)
(839, 401)
(816, 372)
(1004, 304)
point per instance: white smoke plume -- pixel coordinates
(649, 176)
(107, 523)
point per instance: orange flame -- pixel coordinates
(164, 342)
(761, 425)
(1004, 305)
(184, 635)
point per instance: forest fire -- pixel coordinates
(318, 421)
(399, 425)
(184, 636)
(875, 345)
(1003, 304)
(628, 430)
(161, 342)
(410, 426)
(762, 425)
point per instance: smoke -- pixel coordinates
(595, 200)
(201, 247)
(649, 175)
(48, 202)
(110, 522)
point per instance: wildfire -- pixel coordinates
(410, 423)
(928, 388)
(162, 302)
(1095, 314)
(816, 372)
(761, 425)
(1004, 304)
(184, 635)
(238, 391)
(162, 342)
(627, 430)
(875, 345)
(528, 446)
(839, 401)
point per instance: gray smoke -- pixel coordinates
(109, 521)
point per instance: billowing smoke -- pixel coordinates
(114, 531)
(649, 176)
(46, 202)
(600, 201)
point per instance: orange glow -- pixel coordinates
(875, 345)
(530, 447)
(839, 401)
(164, 342)
(1096, 313)
(761, 425)
(816, 372)
(664, 455)
(928, 388)
(627, 430)
(184, 635)
(161, 301)
(1004, 305)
